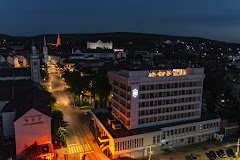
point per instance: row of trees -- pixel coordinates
(97, 85)
(58, 126)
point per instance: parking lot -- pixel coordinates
(201, 151)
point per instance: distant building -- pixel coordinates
(99, 44)
(159, 108)
(16, 59)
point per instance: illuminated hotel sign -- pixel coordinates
(135, 93)
(161, 73)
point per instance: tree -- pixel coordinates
(57, 123)
(101, 87)
(78, 84)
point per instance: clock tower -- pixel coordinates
(35, 65)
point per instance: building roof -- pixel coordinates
(104, 114)
(10, 89)
(36, 98)
(17, 72)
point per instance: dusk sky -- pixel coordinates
(215, 19)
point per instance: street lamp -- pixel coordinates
(238, 144)
(150, 152)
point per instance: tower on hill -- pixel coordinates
(58, 41)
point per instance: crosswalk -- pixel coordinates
(79, 148)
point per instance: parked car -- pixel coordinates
(193, 157)
(213, 154)
(230, 152)
(209, 156)
(221, 153)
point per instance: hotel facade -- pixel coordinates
(157, 108)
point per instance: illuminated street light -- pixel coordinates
(238, 144)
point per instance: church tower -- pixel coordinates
(58, 41)
(35, 65)
(45, 51)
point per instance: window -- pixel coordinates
(151, 119)
(151, 103)
(151, 95)
(142, 113)
(179, 131)
(155, 111)
(183, 130)
(194, 128)
(160, 86)
(152, 87)
(154, 139)
(151, 111)
(167, 109)
(147, 104)
(155, 119)
(167, 101)
(147, 112)
(168, 86)
(158, 139)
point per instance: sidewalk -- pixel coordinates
(61, 153)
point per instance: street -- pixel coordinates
(79, 138)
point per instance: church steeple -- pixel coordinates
(34, 49)
(44, 41)
(45, 51)
(58, 41)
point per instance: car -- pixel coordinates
(209, 156)
(230, 152)
(221, 152)
(193, 157)
(213, 154)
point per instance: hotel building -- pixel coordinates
(158, 108)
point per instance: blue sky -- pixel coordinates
(215, 19)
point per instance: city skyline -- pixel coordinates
(207, 19)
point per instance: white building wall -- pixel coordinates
(7, 122)
(32, 126)
(136, 79)
(99, 44)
